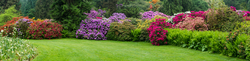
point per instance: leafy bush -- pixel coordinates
(44, 30)
(93, 29)
(157, 35)
(15, 49)
(196, 23)
(136, 33)
(244, 27)
(231, 44)
(222, 19)
(144, 35)
(121, 32)
(8, 15)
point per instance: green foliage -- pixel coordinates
(136, 33)
(26, 6)
(15, 49)
(216, 4)
(42, 9)
(222, 19)
(8, 15)
(230, 44)
(70, 14)
(141, 4)
(239, 4)
(144, 36)
(130, 11)
(121, 32)
(5, 4)
(244, 27)
(109, 4)
(133, 21)
(199, 5)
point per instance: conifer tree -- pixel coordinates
(42, 9)
(70, 14)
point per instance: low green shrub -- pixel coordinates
(121, 32)
(234, 44)
(136, 33)
(15, 49)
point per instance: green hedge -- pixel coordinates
(230, 44)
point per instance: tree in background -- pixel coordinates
(171, 6)
(26, 6)
(239, 4)
(42, 9)
(174, 6)
(70, 14)
(109, 4)
(5, 4)
(215, 3)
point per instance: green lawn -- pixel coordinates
(71, 49)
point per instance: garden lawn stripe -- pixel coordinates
(71, 49)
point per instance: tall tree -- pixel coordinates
(171, 6)
(26, 6)
(42, 9)
(70, 14)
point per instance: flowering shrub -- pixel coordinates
(232, 8)
(116, 17)
(44, 29)
(8, 29)
(93, 29)
(157, 34)
(94, 14)
(178, 18)
(22, 26)
(196, 23)
(15, 49)
(151, 14)
(145, 24)
(194, 14)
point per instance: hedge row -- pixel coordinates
(230, 44)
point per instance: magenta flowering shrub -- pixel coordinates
(157, 35)
(232, 8)
(178, 18)
(194, 14)
(93, 29)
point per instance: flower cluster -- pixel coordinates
(94, 14)
(148, 15)
(178, 18)
(44, 29)
(116, 17)
(157, 34)
(93, 29)
(232, 8)
(22, 26)
(194, 14)
(196, 23)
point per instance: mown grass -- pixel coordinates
(70, 49)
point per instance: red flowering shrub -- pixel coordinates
(194, 14)
(8, 28)
(157, 35)
(196, 23)
(44, 29)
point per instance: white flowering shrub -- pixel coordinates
(15, 49)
